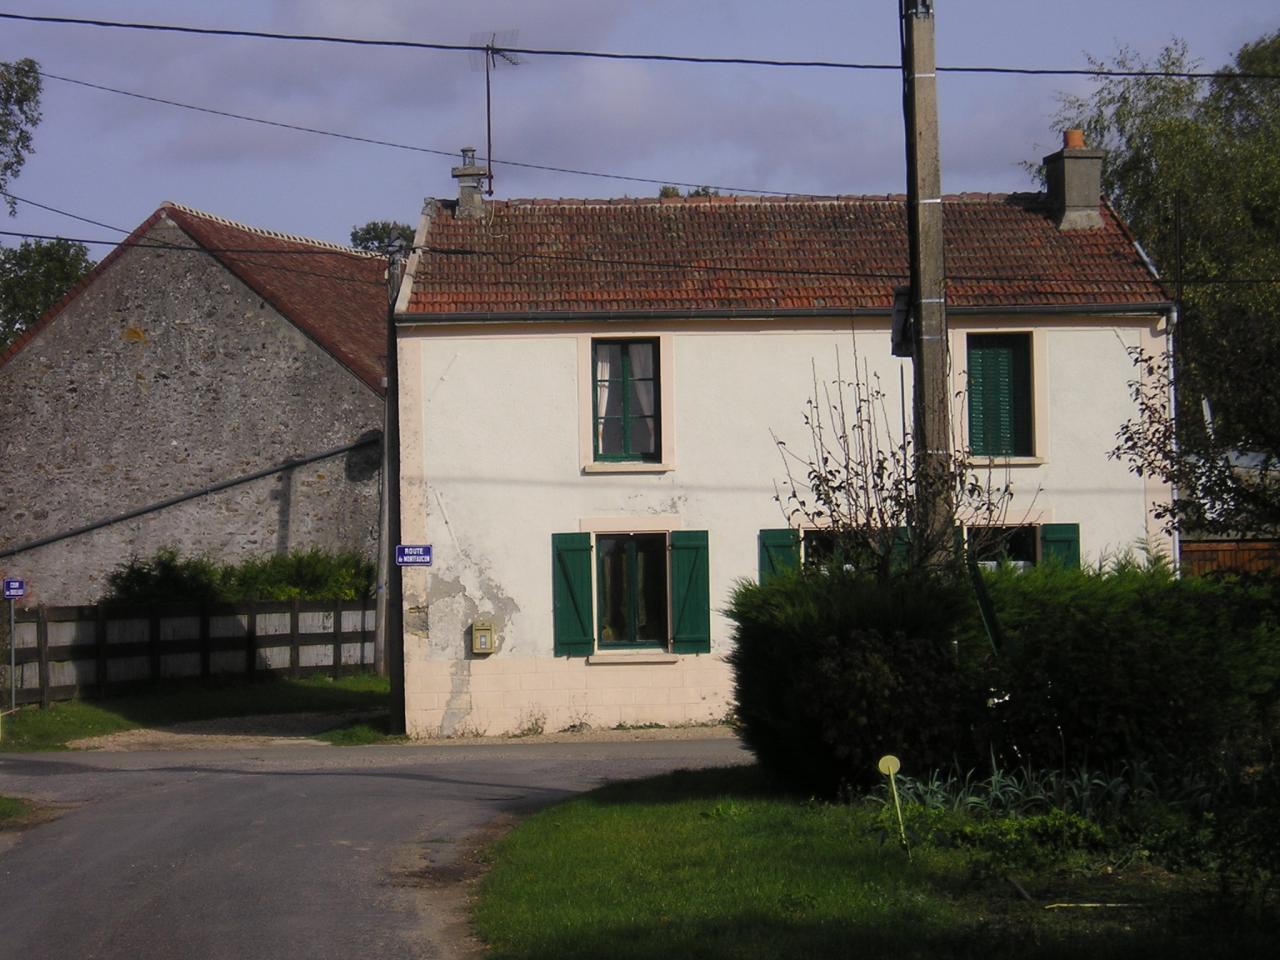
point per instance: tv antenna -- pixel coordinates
(493, 54)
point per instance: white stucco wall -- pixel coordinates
(493, 465)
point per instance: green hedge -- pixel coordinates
(1110, 670)
(1132, 665)
(833, 669)
(301, 575)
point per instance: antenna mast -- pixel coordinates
(493, 52)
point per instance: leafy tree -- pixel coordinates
(377, 236)
(33, 276)
(669, 191)
(1193, 166)
(19, 114)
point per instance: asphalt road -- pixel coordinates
(279, 853)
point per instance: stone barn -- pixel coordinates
(209, 386)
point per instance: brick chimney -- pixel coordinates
(470, 179)
(1074, 176)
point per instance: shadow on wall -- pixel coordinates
(283, 495)
(365, 462)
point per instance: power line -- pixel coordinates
(404, 146)
(62, 213)
(642, 57)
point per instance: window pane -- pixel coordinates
(641, 396)
(651, 588)
(613, 603)
(642, 360)
(993, 544)
(609, 439)
(608, 400)
(608, 361)
(644, 436)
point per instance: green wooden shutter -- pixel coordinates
(690, 592)
(571, 594)
(1060, 543)
(900, 549)
(1000, 402)
(977, 399)
(779, 552)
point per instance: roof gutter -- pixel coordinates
(420, 319)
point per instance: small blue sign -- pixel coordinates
(408, 555)
(15, 589)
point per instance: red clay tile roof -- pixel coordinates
(336, 296)
(773, 254)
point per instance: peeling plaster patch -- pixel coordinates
(442, 589)
(454, 608)
(674, 506)
(417, 622)
(458, 709)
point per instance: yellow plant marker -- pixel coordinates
(890, 765)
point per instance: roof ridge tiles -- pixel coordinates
(264, 232)
(976, 197)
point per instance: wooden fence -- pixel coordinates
(65, 652)
(1243, 556)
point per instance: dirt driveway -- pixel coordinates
(300, 729)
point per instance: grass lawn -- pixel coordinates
(34, 729)
(363, 733)
(710, 864)
(12, 810)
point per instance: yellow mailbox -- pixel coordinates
(484, 638)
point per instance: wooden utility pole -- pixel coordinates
(393, 619)
(931, 394)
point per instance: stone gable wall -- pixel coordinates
(165, 375)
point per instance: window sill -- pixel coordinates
(627, 466)
(638, 656)
(1007, 461)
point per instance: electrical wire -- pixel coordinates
(404, 146)
(63, 213)
(641, 57)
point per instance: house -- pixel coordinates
(197, 354)
(591, 391)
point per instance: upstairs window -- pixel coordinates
(625, 398)
(1000, 398)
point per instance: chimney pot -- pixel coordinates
(470, 177)
(1074, 179)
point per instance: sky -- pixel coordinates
(115, 159)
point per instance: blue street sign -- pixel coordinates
(408, 555)
(15, 589)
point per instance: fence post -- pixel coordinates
(294, 658)
(337, 638)
(204, 641)
(251, 641)
(100, 643)
(42, 649)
